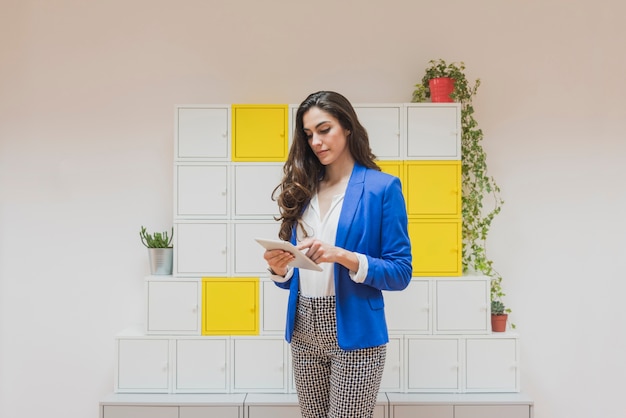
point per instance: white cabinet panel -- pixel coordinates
(382, 123)
(259, 364)
(201, 249)
(201, 190)
(274, 307)
(254, 184)
(409, 310)
(433, 364)
(433, 132)
(142, 365)
(462, 306)
(492, 411)
(211, 412)
(172, 307)
(392, 375)
(492, 365)
(425, 411)
(201, 365)
(248, 254)
(274, 411)
(202, 132)
(131, 411)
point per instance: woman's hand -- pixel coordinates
(277, 260)
(321, 252)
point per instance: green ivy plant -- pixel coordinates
(156, 240)
(477, 184)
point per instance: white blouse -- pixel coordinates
(321, 283)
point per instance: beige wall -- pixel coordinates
(87, 94)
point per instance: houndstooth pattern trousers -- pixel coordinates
(331, 382)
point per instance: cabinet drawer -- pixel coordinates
(210, 412)
(426, 411)
(274, 411)
(119, 411)
(491, 411)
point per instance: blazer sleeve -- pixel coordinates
(391, 268)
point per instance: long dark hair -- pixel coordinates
(303, 170)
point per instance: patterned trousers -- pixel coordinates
(331, 382)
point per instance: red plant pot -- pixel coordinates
(440, 89)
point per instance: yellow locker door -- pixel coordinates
(230, 306)
(260, 132)
(436, 247)
(392, 167)
(433, 188)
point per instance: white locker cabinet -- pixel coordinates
(259, 364)
(433, 364)
(172, 306)
(383, 124)
(254, 184)
(132, 411)
(492, 364)
(201, 365)
(433, 131)
(202, 132)
(408, 311)
(142, 365)
(201, 249)
(462, 305)
(393, 374)
(248, 254)
(201, 190)
(273, 308)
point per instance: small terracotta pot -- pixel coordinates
(498, 322)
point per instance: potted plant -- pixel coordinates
(477, 185)
(160, 250)
(499, 316)
(440, 81)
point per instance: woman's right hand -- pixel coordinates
(277, 260)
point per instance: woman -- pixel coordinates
(350, 218)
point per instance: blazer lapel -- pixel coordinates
(351, 200)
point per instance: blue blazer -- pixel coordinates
(373, 222)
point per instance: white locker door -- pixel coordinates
(201, 365)
(173, 307)
(433, 132)
(408, 311)
(201, 190)
(383, 128)
(201, 249)
(142, 365)
(433, 364)
(248, 254)
(254, 184)
(492, 365)
(202, 132)
(259, 364)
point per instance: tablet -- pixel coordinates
(301, 261)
